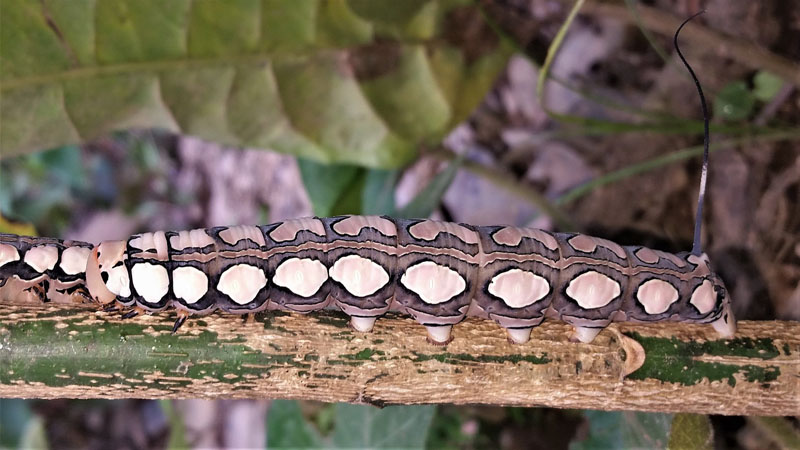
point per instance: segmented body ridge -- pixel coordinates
(437, 272)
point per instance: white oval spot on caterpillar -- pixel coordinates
(73, 260)
(233, 235)
(360, 276)
(519, 288)
(656, 296)
(287, 231)
(647, 255)
(242, 282)
(189, 283)
(512, 236)
(302, 276)
(427, 230)
(704, 298)
(432, 282)
(593, 290)
(362, 324)
(8, 253)
(190, 239)
(41, 258)
(353, 225)
(150, 281)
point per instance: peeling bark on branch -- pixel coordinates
(72, 352)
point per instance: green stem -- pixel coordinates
(655, 163)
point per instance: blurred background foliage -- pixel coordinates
(98, 98)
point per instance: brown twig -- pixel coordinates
(71, 352)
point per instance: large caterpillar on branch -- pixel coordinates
(437, 272)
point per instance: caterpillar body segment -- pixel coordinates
(437, 272)
(48, 269)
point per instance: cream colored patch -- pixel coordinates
(190, 239)
(613, 246)
(118, 281)
(149, 242)
(151, 281)
(647, 255)
(287, 231)
(439, 334)
(704, 298)
(433, 283)
(73, 260)
(427, 230)
(519, 335)
(726, 324)
(518, 288)
(41, 258)
(360, 276)
(302, 276)
(8, 253)
(656, 296)
(512, 236)
(232, 235)
(593, 290)
(110, 258)
(588, 244)
(189, 284)
(586, 334)
(353, 225)
(362, 324)
(674, 258)
(582, 243)
(242, 283)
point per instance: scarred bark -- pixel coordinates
(63, 351)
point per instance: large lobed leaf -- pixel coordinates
(357, 81)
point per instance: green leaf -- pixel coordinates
(305, 77)
(287, 428)
(734, 102)
(766, 85)
(15, 417)
(332, 189)
(691, 432)
(429, 198)
(336, 189)
(378, 197)
(624, 430)
(177, 428)
(359, 426)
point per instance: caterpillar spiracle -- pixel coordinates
(437, 272)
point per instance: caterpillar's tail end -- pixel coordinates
(726, 324)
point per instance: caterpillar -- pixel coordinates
(439, 273)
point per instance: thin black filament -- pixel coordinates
(698, 220)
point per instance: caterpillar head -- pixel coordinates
(106, 274)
